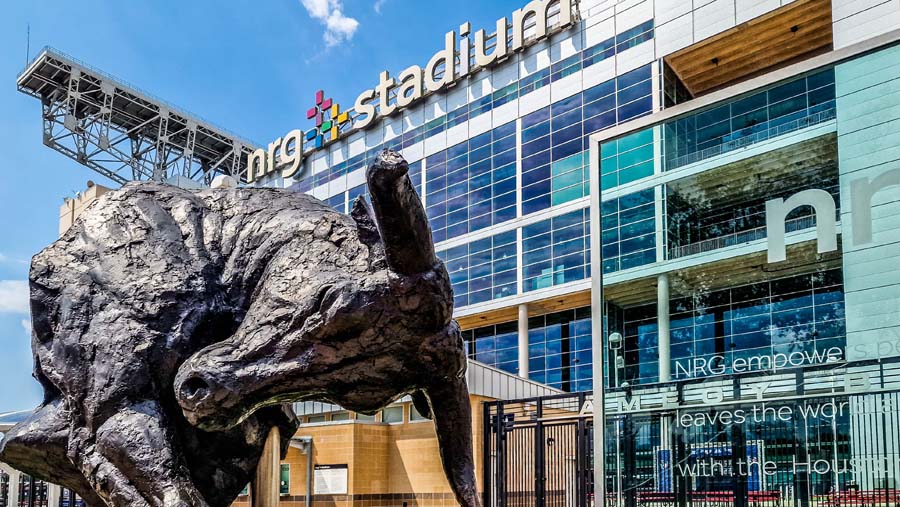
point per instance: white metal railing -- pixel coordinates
(738, 238)
(756, 137)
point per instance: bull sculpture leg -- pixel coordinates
(130, 462)
(43, 446)
(137, 443)
(41, 443)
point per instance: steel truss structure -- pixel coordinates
(122, 132)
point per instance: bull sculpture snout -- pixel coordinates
(325, 326)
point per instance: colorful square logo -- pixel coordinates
(329, 121)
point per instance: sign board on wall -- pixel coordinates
(330, 480)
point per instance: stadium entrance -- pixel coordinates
(804, 445)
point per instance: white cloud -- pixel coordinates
(378, 5)
(13, 296)
(338, 27)
(26, 325)
(11, 260)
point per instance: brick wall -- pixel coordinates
(389, 465)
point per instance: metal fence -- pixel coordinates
(834, 450)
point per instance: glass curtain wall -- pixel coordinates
(559, 349)
(797, 104)
(496, 345)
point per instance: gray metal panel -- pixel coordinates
(482, 380)
(502, 385)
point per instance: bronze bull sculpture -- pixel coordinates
(171, 327)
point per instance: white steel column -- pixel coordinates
(597, 328)
(523, 340)
(53, 494)
(665, 362)
(14, 477)
(662, 321)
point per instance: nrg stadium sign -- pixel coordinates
(285, 154)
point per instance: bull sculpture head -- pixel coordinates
(358, 320)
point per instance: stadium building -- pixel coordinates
(719, 179)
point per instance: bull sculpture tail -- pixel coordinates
(453, 422)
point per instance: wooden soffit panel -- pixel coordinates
(535, 308)
(791, 33)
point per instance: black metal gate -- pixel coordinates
(532, 460)
(839, 450)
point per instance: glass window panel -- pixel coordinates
(340, 416)
(392, 414)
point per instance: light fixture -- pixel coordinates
(615, 341)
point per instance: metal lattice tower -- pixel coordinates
(122, 132)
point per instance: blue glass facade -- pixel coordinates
(629, 231)
(554, 138)
(559, 349)
(796, 318)
(627, 159)
(788, 107)
(568, 66)
(496, 346)
(801, 315)
(556, 250)
(338, 202)
(472, 185)
(482, 270)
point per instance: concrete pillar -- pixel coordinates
(662, 321)
(265, 488)
(14, 476)
(53, 494)
(523, 340)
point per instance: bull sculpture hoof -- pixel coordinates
(172, 327)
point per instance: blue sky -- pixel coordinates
(249, 66)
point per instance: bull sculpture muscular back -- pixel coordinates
(170, 327)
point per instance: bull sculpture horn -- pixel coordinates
(406, 235)
(409, 250)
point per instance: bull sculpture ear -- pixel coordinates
(362, 215)
(401, 218)
(368, 231)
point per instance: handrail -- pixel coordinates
(738, 238)
(757, 137)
